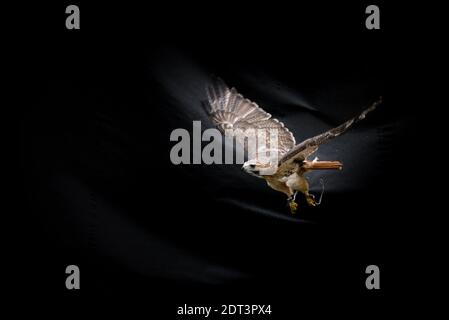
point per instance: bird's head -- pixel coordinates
(257, 168)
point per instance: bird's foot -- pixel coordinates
(292, 205)
(311, 200)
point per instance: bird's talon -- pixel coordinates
(311, 200)
(293, 206)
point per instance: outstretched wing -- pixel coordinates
(301, 151)
(230, 111)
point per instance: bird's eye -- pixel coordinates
(252, 166)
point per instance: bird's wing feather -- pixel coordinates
(301, 151)
(229, 109)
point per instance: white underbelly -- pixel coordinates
(297, 182)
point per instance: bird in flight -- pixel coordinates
(233, 115)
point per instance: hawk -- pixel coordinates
(230, 111)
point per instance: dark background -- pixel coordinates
(97, 188)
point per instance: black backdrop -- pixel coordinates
(99, 190)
